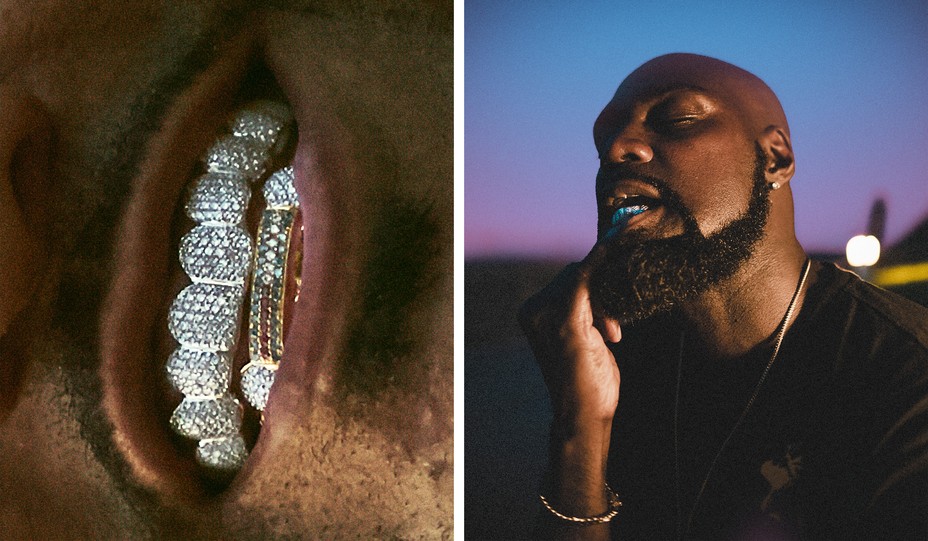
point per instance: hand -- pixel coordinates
(569, 344)
(583, 381)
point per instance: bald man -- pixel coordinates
(763, 395)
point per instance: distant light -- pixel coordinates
(900, 275)
(863, 251)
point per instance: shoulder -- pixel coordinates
(869, 349)
(879, 414)
(858, 310)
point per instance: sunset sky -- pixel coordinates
(853, 82)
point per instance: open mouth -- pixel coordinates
(229, 261)
(369, 336)
(140, 399)
(629, 207)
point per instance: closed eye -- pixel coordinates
(661, 124)
(679, 110)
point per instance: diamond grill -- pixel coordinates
(206, 316)
(264, 122)
(218, 254)
(199, 373)
(257, 379)
(227, 453)
(219, 198)
(207, 418)
(279, 190)
(266, 320)
(237, 155)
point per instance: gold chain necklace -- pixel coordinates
(781, 332)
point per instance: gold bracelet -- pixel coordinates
(614, 505)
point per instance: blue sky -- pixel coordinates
(853, 82)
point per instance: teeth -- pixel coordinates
(206, 316)
(257, 379)
(267, 290)
(258, 133)
(265, 122)
(220, 254)
(225, 454)
(219, 199)
(217, 255)
(237, 155)
(199, 373)
(207, 418)
(279, 190)
(624, 213)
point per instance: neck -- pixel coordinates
(746, 310)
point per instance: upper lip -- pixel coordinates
(622, 190)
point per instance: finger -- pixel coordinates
(579, 308)
(608, 327)
(595, 256)
(554, 298)
(611, 330)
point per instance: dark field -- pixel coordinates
(506, 405)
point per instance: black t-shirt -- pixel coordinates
(835, 445)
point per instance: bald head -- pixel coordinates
(678, 98)
(742, 89)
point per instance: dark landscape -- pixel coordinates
(506, 406)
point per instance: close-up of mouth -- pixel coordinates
(628, 209)
(228, 255)
(196, 325)
(628, 204)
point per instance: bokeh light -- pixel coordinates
(863, 251)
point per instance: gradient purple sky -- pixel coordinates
(853, 82)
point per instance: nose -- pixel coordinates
(625, 148)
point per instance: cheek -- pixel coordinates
(716, 180)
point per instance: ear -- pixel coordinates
(24, 181)
(779, 164)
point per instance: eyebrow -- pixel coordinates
(674, 87)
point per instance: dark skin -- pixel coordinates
(104, 111)
(693, 122)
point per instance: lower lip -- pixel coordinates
(134, 313)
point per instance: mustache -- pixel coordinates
(611, 174)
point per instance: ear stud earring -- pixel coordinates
(774, 186)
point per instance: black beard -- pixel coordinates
(639, 278)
